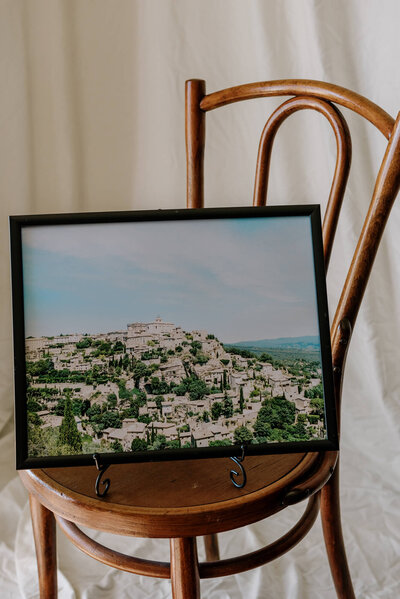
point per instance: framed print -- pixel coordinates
(171, 334)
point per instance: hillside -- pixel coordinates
(305, 342)
(283, 348)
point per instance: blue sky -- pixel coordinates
(240, 279)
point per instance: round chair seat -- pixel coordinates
(174, 498)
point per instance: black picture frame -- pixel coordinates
(32, 266)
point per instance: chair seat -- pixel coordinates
(172, 499)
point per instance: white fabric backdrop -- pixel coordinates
(92, 118)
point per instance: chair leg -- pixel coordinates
(44, 532)
(185, 577)
(211, 547)
(332, 528)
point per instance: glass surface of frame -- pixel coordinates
(170, 334)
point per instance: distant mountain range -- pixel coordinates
(306, 342)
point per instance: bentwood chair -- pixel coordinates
(146, 499)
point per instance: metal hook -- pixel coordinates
(238, 461)
(105, 482)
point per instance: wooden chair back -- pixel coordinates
(322, 97)
(147, 499)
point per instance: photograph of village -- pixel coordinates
(155, 386)
(251, 375)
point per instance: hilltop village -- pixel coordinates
(155, 386)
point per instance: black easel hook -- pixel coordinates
(238, 461)
(105, 482)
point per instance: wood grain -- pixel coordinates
(110, 557)
(195, 140)
(185, 579)
(211, 547)
(44, 532)
(303, 87)
(343, 161)
(147, 500)
(241, 563)
(385, 192)
(333, 536)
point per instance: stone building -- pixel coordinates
(141, 333)
(211, 373)
(202, 438)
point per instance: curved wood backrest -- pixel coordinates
(343, 162)
(315, 95)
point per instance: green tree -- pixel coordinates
(159, 442)
(139, 396)
(314, 392)
(241, 400)
(123, 392)
(86, 342)
(201, 358)
(227, 407)
(224, 381)
(195, 347)
(312, 418)
(60, 407)
(242, 435)
(117, 446)
(69, 434)
(110, 420)
(138, 445)
(265, 357)
(277, 411)
(245, 353)
(276, 414)
(158, 387)
(262, 429)
(34, 418)
(139, 371)
(220, 443)
(36, 441)
(112, 400)
(132, 411)
(318, 407)
(159, 400)
(174, 444)
(206, 416)
(33, 406)
(197, 389)
(85, 406)
(41, 367)
(118, 347)
(77, 406)
(216, 410)
(180, 389)
(145, 418)
(185, 428)
(94, 410)
(300, 431)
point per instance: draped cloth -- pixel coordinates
(92, 119)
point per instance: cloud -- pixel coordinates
(266, 264)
